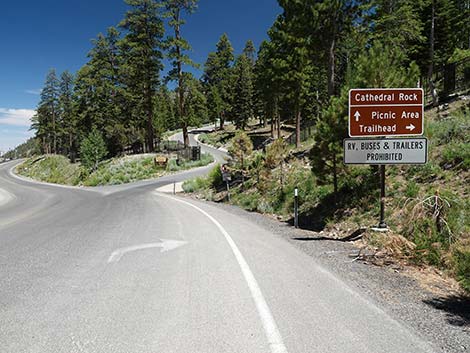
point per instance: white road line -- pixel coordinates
(269, 324)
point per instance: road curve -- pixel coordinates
(126, 269)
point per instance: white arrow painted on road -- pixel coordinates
(410, 127)
(5, 197)
(165, 245)
(357, 115)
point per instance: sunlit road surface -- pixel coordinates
(127, 269)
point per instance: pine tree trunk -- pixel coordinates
(150, 132)
(431, 56)
(272, 125)
(335, 174)
(54, 137)
(222, 120)
(297, 127)
(185, 135)
(180, 77)
(331, 68)
(71, 151)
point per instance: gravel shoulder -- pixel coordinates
(442, 320)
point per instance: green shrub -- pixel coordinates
(412, 189)
(461, 260)
(430, 245)
(215, 177)
(433, 223)
(248, 201)
(173, 166)
(93, 150)
(425, 173)
(448, 130)
(195, 185)
(456, 155)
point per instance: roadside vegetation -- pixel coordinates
(427, 208)
(59, 170)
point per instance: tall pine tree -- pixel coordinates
(68, 121)
(218, 72)
(177, 46)
(46, 118)
(243, 92)
(142, 51)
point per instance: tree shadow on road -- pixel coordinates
(457, 309)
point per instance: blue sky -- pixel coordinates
(39, 35)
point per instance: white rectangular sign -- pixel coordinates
(385, 151)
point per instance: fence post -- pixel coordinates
(296, 208)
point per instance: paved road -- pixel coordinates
(126, 269)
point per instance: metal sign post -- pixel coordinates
(228, 191)
(382, 223)
(296, 208)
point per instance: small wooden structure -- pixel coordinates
(161, 161)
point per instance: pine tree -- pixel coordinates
(215, 105)
(142, 55)
(462, 23)
(68, 121)
(397, 23)
(240, 149)
(178, 46)
(165, 118)
(101, 100)
(194, 102)
(93, 150)
(323, 25)
(218, 72)
(243, 92)
(45, 120)
(250, 52)
(296, 62)
(268, 83)
(438, 18)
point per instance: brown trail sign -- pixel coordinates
(386, 112)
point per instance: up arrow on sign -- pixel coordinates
(357, 115)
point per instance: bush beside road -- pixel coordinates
(58, 170)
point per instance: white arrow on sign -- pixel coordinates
(410, 127)
(165, 245)
(357, 115)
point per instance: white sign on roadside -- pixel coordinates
(386, 151)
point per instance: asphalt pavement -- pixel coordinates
(127, 269)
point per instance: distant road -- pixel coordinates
(126, 269)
